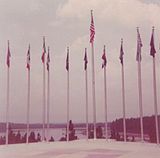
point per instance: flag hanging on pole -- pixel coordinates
(85, 60)
(104, 58)
(152, 49)
(67, 59)
(8, 56)
(92, 29)
(139, 46)
(28, 58)
(48, 60)
(121, 52)
(44, 51)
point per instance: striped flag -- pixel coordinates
(28, 58)
(44, 51)
(92, 29)
(8, 56)
(139, 46)
(67, 59)
(104, 58)
(152, 49)
(48, 60)
(85, 60)
(121, 52)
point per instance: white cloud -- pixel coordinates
(126, 12)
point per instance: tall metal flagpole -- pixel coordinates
(152, 53)
(44, 88)
(155, 99)
(28, 106)
(28, 95)
(138, 58)
(8, 104)
(48, 95)
(105, 92)
(124, 107)
(86, 78)
(123, 92)
(140, 100)
(67, 67)
(93, 73)
(8, 94)
(86, 83)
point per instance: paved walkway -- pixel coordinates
(81, 149)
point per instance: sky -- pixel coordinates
(66, 23)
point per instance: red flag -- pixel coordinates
(8, 56)
(92, 29)
(104, 58)
(48, 60)
(28, 58)
(67, 59)
(152, 49)
(121, 52)
(44, 51)
(85, 60)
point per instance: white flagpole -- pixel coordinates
(48, 102)
(44, 103)
(140, 100)
(105, 103)
(93, 85)
(123, 100)
(44, 92)
(86, 79)
(28, 107)
(155, 100)
(68, 97)
(8, 104)
(93, 91)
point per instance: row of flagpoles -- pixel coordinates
(46, 61)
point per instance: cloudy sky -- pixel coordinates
(66, 23)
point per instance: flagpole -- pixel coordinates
(44, 101)
(48, 101)
(44, 94)
(8, 94)
(7, 110)
(68, 97)
(123, 100)
(152, 53)
(140, 100)
(93, 86)
(28, 107)
(86, 79)
(105, 103)
(155, 100)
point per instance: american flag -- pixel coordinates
(92, 29)
(48, 60)
(121, 52)
(8, 56)
(104, 58)
(28, 58)
(139, 46)
(44, 51)
(85, 59)
(152, 49)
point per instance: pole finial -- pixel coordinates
(121, 40)
(91, 12)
